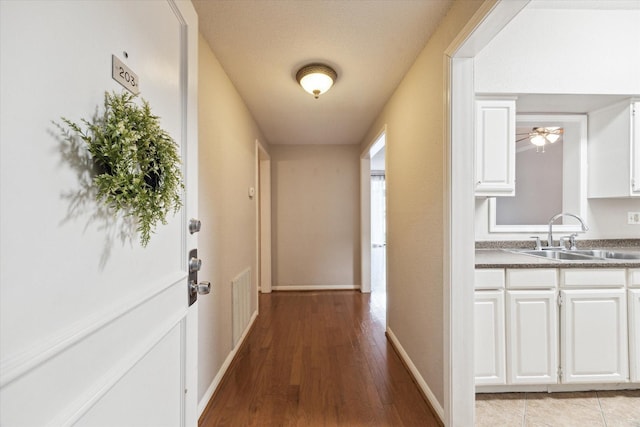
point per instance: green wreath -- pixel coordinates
(137, 163)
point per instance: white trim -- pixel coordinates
(459, 211)
(263, 220)
(314, 287)
(15, 366)
(186, 15)
(365, 224)
(576, 180)
(202, 405)
(87, 400)
(555, 388)
(416, 375)
(365, 208)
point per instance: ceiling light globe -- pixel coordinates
(552, 137)
(538, 140)
(316, 78)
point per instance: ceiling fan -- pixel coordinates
(540, 136)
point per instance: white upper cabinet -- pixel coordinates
(614, 151)
(495, 147)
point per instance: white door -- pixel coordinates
(95, 329)
(489, 343)
(532, 337)
(378, 234)
(594, 336)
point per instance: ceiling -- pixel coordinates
(261, 44)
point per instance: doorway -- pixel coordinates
(373, 242)
(378, 222)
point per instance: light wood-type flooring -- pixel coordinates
(318, 359)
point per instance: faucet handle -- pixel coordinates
(572, 241)
(538, 243)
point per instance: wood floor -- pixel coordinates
(318, 359)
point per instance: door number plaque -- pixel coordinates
(124, 75)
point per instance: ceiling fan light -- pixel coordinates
(316, 78)
(537, 140)
(552, 137)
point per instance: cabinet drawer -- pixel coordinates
(532, 278)
(489, 278)
(593, 277)
(634, 278)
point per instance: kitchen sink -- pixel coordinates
(602, 253)
(579, 255)
(561, 255)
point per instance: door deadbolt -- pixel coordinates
(194, 264)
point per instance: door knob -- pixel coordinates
(201, 288)
(194, 264)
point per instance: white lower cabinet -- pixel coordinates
(581, 329)
(594, 336)
(634, 335)
(489, 338)
(532, 337)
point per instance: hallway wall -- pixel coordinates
(227, 162)
(414, 116)
(315, 222)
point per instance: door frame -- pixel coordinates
(365, 212)
(263, 218)
(188, 17)
(459, 205)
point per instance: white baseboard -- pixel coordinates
(416, 374)
(314, 287)
(555, 388)
(202, 405)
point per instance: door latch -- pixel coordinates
(193, 286)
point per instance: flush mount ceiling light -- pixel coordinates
(540, 136)
(316, 78)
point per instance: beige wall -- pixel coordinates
(414, 116)
(316, 226)
(227, 242)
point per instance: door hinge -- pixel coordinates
(560, 298)
(560, 373)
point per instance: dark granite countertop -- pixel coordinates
(500, 255)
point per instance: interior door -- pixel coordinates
(378, 234)
(95, 329)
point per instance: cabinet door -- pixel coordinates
(614, 157)
(634, 334)
(489, 348)
(594, 336)
(532, 337)
(635, 150)
(495, 147)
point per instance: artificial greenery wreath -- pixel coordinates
(136, 162)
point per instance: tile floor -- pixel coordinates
(582, 409)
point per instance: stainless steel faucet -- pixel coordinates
(552, 220)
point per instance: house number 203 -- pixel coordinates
(124, 75)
